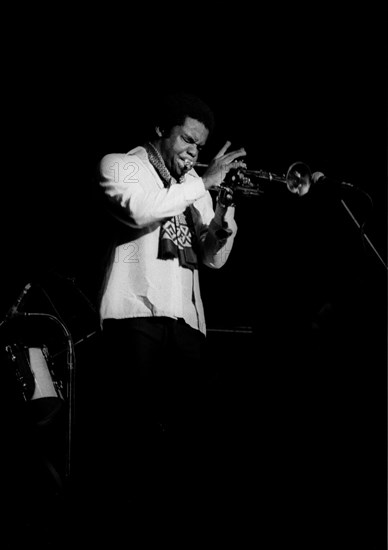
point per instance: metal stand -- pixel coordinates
(70, 360)
(70, 387)
(358, 225)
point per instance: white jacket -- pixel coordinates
(137, 283)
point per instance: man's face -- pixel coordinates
(183, 143)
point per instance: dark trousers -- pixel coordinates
(154, 381)
(158, 367)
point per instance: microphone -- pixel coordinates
(319, 177)
(14, 309)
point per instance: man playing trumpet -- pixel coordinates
(151, 310)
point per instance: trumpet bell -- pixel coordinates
(298, 178)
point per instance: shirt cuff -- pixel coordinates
(194, 189)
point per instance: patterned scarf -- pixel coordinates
(177, 234)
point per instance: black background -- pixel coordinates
(303, 86)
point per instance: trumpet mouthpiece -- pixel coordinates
(189, 164)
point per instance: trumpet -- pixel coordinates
(250, 182)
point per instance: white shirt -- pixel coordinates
(137, 283)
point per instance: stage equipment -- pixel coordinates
(43, 359)
(40, 386)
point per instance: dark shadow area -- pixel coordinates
(291, 434)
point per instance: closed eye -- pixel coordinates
(192, 141)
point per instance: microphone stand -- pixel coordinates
(358, 225)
